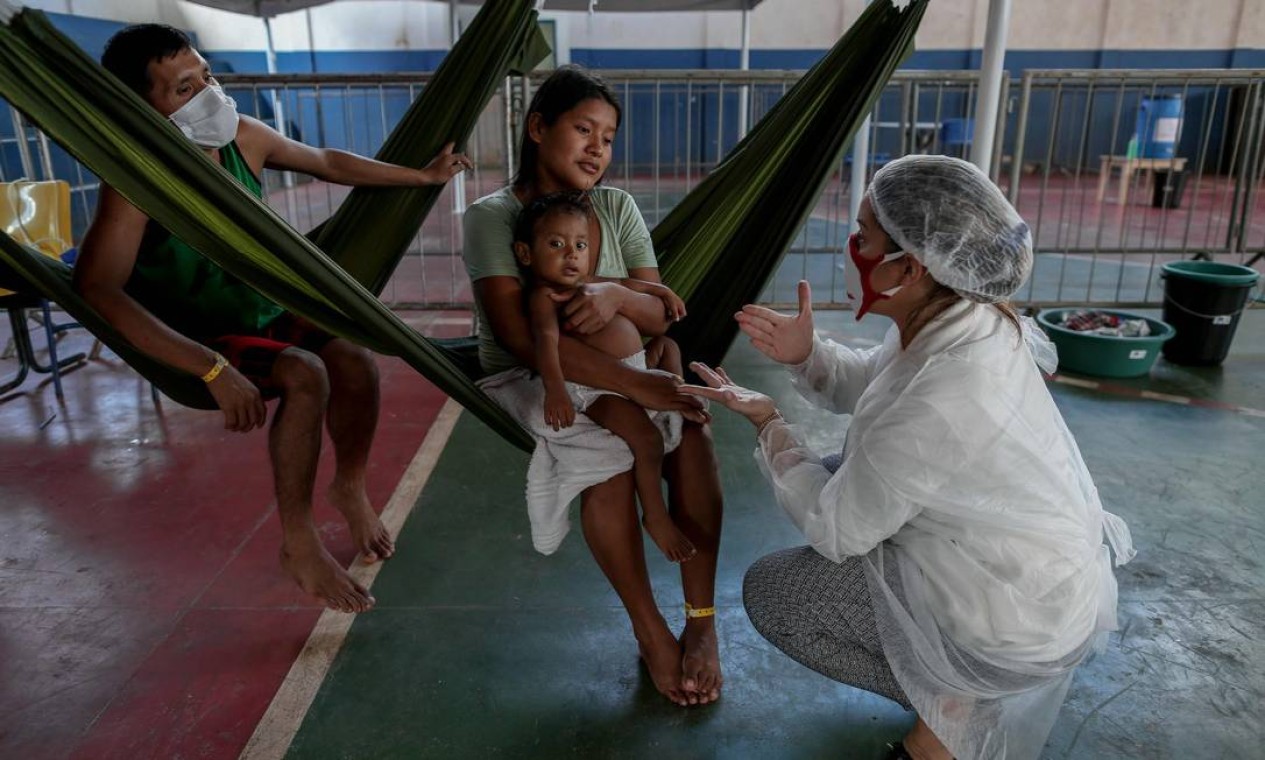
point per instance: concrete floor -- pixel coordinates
(481, 648)
(142, 613)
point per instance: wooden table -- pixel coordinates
(1128, 166)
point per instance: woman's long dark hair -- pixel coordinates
(565, 88)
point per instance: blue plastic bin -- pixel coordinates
(1159, 121)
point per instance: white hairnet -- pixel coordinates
(953, 219)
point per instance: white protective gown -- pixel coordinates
(959, 468)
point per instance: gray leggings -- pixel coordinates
(819, 614)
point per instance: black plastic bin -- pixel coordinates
(1169, 186)
(1203, 301)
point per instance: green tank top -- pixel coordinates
(188, 291)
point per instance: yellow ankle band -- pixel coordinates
(698, 612)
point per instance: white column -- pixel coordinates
(278, 111)
(271, 64)
(986, 104)
(459, 181)
(860, 161)
(744, 63)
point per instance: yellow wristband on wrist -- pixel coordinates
(214, 372)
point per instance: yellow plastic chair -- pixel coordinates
(36, 214)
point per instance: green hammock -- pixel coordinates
(772, 177)
(128, 145)
(738, 222)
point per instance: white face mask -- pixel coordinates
(209, 119)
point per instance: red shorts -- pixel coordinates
(254, 355)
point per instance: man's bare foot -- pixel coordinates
(669, 538)
(700, 664)
(305, 559)
(367, 531)
(662, 656)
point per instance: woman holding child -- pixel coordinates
(571, 124)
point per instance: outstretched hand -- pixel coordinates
(445, 166)
(785, 338)
(753, 405)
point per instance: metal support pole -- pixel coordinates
(459, 181)
(1245, 193)
(271, 58)
(278, 111)
(316, 99)
(990, 86)
(24, 148)
(744, 63)
(1021, 135)
(1000, 140)
(860, 158)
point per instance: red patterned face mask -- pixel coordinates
(857, 271)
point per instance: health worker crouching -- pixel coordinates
(956, 561)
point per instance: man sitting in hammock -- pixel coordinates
(185, 311)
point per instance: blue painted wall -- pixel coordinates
(326, 62)
(91, 34)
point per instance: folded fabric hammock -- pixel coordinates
(738, 221)
(128, 145)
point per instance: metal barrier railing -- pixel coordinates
(1188, 149)
(678, 124)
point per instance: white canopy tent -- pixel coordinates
(266, 9)
(277, 7)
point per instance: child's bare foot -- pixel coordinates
(700, 666)
(367, 531)
(662, 656)
(669, 538)
(306, 560)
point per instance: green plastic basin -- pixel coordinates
(1105, 355)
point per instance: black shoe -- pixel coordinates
(897, 751)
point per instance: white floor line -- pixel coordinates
(1170, 398)
(281, 722)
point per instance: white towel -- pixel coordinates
(565, 461)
